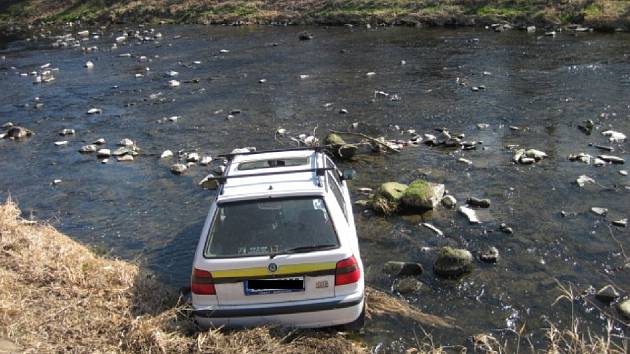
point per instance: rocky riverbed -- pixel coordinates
(112, 152)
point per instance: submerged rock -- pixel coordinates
(124, 158)
(386, 200)
(65, 132)
(17, 133)
(607, 294)
(179, 168)
(122, 151)
(402, 268)
(599, 211)
(476, 202)
(305, 36)
(166, 154)
(583, 180)
(205, 161)
(209, 182)
(88, 149)
(535, 154)
(489, 255)
(103, 153)
(453, 262)
(614, 136)
(612, 159)
(506, 229)
(422, 195)
(449, 201)
(126, 142)
(407, 285)
(193, 157)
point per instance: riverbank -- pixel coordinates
(597, 14)
(57, 295)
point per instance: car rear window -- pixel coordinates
(269, 227)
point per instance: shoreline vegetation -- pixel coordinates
(600, 15)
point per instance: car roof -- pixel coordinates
(278, 181)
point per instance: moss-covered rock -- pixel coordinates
(422, 195)
(624, 308)
(334, 139)
(386, 200)
(453, 262)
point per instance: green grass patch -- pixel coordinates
(87, 10)
(243, 10)
(593, 10)
(512, 11)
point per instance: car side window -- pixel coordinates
(334, 172)
(336, 189)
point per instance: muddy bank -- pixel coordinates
(57, 295)
(599, 14)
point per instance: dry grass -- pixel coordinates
(57, 296)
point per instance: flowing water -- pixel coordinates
(546, 86)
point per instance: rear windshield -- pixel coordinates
(269, 227)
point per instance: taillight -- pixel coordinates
(347, 271)
(201, 283)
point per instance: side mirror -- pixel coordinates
(347, 175)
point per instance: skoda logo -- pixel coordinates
(272, 267)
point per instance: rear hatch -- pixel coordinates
(272, 250)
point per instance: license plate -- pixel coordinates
(274, 286)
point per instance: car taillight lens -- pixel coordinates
(201, 283)
(347, 272)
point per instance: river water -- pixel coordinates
(545, 86)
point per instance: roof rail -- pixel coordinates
(230, 156)
(318, 171)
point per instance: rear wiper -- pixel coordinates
(304, 249)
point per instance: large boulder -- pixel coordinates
(386, 200)
(422, 195)
(453, 262)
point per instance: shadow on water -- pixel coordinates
(173, 263)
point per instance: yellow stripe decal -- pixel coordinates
(282, 269)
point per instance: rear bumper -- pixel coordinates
(311, 314)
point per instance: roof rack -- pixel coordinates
(230, 156)
(318, 171)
